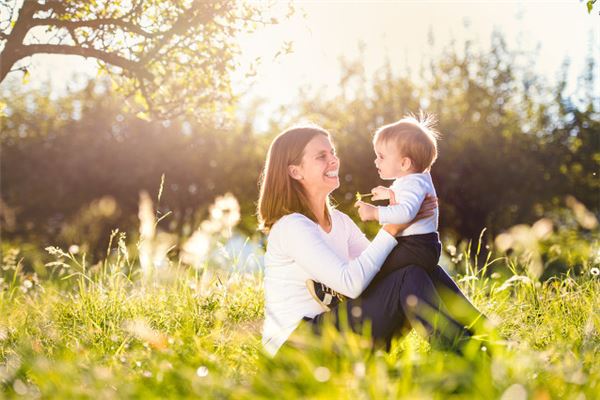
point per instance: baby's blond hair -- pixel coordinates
(415, 138)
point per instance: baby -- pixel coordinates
(405, 151)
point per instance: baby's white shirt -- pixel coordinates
(410, 191)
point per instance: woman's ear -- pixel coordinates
(294, 172)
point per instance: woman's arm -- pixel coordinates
(300, 239)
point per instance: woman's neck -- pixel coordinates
(317, 206)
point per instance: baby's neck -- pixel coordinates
(410, 172)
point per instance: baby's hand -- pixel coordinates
(367, 212)
(380, 193)
(383, 193)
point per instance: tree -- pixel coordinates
(168, 57)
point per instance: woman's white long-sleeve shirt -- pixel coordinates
(297, 250)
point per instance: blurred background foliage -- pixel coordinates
(513, 148)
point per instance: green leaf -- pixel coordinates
(590, 5)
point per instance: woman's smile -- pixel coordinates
(332, 174)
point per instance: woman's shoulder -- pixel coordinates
(291, 221)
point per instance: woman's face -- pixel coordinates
(319, 168)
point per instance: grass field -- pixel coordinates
(106, 331)
(140, 324)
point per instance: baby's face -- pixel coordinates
(388, 161)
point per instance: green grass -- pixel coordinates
(105, 331)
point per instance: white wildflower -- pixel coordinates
(322, 374)
(202, 371)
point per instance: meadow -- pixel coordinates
(141, 325)
(170, 304)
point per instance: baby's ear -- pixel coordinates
(406, 164)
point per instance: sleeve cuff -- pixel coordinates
(386, 239)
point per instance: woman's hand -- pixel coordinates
(427, 209)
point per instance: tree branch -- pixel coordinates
(94, 23)
(188, 18)
(55, 5)
(109, 58)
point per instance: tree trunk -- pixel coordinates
(13, 49)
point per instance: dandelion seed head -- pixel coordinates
(542, 228)
(196, 248)
(27, 284)
(73, 249)
(504, 241)
(595, 271)
(451, 249)
(322, 374)
(226, 209)
(107, 206)
(360, 370)
(138, 364)
(19, 387)
(216, 213)
(515, 392)
(202, 371)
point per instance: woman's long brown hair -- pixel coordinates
(280, 194)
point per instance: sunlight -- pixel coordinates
(405, 34)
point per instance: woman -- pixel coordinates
(308, 239)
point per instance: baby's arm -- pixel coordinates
(383, 193)
(408, 198)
